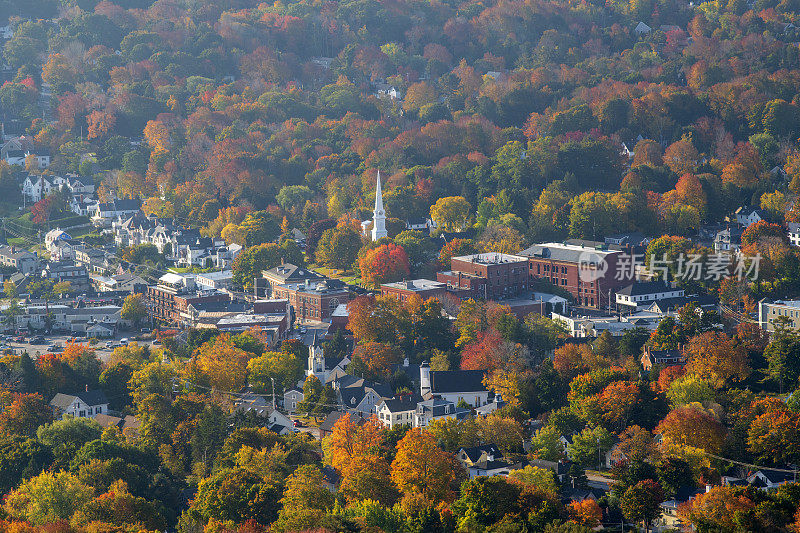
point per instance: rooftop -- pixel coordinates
(491, 258)
(416, 285)
(571, 253)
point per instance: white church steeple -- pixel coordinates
(379, 215)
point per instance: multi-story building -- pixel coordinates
(424, 288)
(642, 293)
(23, 260)
(174, 298)
(75, 274)
(769, 312)
(287, 274)
(589, 274)
(492, 276)
(314, 301)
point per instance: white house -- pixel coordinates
(749, 215)
(53, 236)
(793, 232)
(640, 293)
(453, 385)
(215, 280)
(642, 29)
(397, 411)
(85, 404)
(262, 406)
(104, 213)
(291, 399)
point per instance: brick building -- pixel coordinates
(492, 276)
(588, 273)
(315, 301)
(424, 288)
(171, 299)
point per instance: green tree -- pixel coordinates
(134, 309)
(47, 498)
(237, 495)
(65, 437)
(305, 500)
(338, 247)
(21, 458)
(584, 446)
(642, 502)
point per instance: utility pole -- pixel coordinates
(599, 455)
(273, 392)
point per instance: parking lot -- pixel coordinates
(59, 342)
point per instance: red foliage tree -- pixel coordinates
(384, 264)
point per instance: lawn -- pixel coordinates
(347, 276)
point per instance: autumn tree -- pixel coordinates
(305, 500)
(421, 467)
(47, 498)
(220, 364)
(134, 309)
(338, 247)
(691, 426)
(642, 502)
(376, 358)
(451, 213)
(717, 358)
(384, 264)
(586, 513)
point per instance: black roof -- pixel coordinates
(639, 288)
(406, 403)
(474, 453)
(457, 381)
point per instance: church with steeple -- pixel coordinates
(379, 214)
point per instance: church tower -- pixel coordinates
(379, 215)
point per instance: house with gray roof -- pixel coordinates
(84, 404)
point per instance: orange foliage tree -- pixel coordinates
(691, 426)
(384, 264)
(421, 467)
(717, 358)
(219, 364)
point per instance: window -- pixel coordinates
(82, 413)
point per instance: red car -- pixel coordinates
(298, 424)
(20, 339)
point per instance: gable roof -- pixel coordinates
(92, 397)
(474, 453)
(406, 403)
(445, 381)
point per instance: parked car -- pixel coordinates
(20, 339)
(38, 340)
(110, 344)
(156, 342)
(55, 348)
(298, 424)
(145, 330)
(123, 342)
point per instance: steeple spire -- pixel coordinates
(379, 215)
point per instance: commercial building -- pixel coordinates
(590, 274)
(175, 299)
(424, 288)
(315, 301)
(492, 276)
(769, 312)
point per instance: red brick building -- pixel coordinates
(169, 301)
(315, 301)
(588, 273)
(491, 276)
(424, 288)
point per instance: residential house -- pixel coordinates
(651, 358)
(36, 187)
(94, 259)
(422, 224)
(398, 411)
(669, 519)
(640, 293)
(127, 424)
(291, 399)
(359, 396)
(728, 240)
(85, 404)
(105, 213)
(261, 405)
(749, 215)
(437, 409)
(793, 232)
(22, 260)
(53, 236)
(486, 460)
(454, 385)
(75, 274)
(326, 427)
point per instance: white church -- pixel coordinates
(378, 215)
